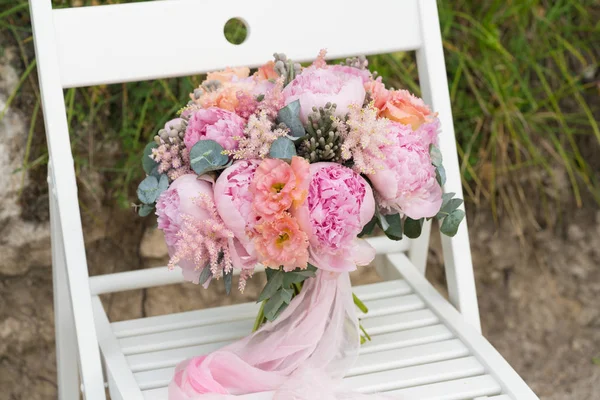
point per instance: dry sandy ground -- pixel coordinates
(539, 303)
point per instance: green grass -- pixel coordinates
(523, 76)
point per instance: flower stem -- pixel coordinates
(260, 317)
(361, 306)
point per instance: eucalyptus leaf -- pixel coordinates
(412, 228)
(451, 222)
(205, 275)
(148, 163)
(290, 116)
(273, 285)
(206, 156)
(436, 155)
(227, 279)
(163, 184)
(448, 207)
(145, 210)
(148, 190)
(440, 175)
(282, 148)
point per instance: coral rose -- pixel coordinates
(407, 184)
(315, 87)
(216, 124)
(277, 185)
(405, 108)
(339, 204)
(281, 242)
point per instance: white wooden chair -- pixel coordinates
(423, 346)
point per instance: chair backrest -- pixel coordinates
(157, 39)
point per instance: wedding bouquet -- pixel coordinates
(288, 168)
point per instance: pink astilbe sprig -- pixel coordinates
(258, 137)
(172, 156)
(203, 239)
(274, 99)
(245, 274)
(320, 60)
(363, 137)
(247, 104)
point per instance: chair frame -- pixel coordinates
(75, 49)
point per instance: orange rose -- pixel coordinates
(405, 108)
(379, 93)
(266, 72)
(227, 74)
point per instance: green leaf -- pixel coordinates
(290, 278)
(148, 163)
(148, 190)
(451, 222)
(394, 226)
(368, 228)
(227, 278)
(436, 155)
(290, 116)
(282, 148)
(412, 228)
(274, 303)
(206, 156)
(273, 285)
(440, 175)
(287, 294)
(145, 210)
(448, 207)
(163, 184)
(205, 275)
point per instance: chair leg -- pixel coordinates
(67, 366)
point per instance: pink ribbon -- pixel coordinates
(302, 355)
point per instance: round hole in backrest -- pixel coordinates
(236, 31)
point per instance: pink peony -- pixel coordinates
(277, 185)
(407, 184)
(234, 204)
(363, 74)
(216, 124)
(171, 207)
(402, 106)
(315, 87)
(280, 241)
(339, 203)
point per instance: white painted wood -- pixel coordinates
(67, 360)
(64, 188)
(143, 37)
(434, 87)
(238, 328)
(236, 312)
(419, 248)
(385, 341)
(119, 373)
(451, 390)
(159, 276)
(369, 367)
(495, 364)
(414, 376)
